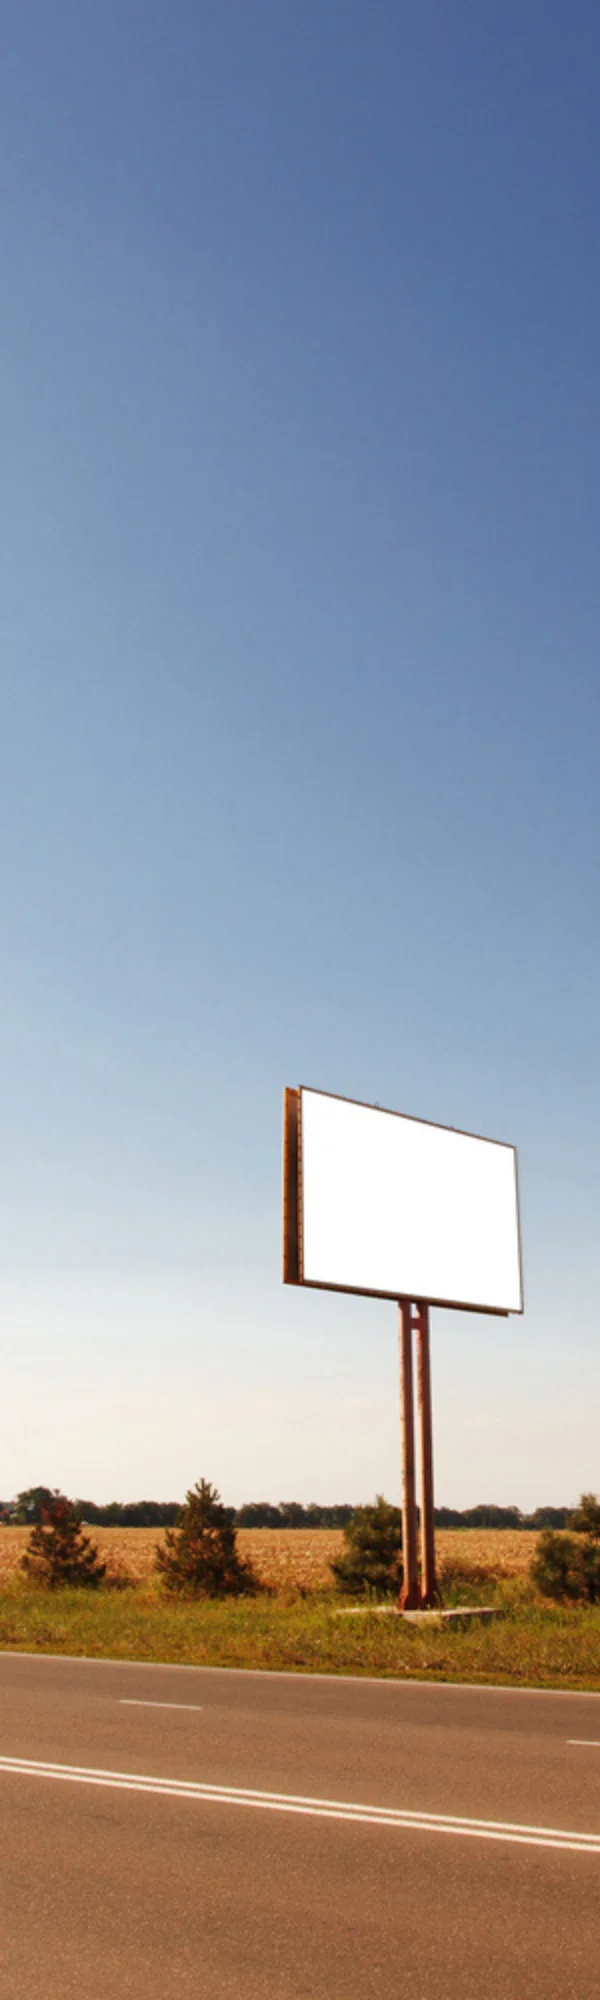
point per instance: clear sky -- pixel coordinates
(299, 757)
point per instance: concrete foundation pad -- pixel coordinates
(456, 1615)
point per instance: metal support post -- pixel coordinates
(429, 1590)
(410, 1596)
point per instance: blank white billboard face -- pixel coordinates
(393, 1205)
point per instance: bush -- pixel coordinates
(566, 1568)
(58, 1552)
(199, 1557)
(372, 1559)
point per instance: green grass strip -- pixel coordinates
(532, 1645)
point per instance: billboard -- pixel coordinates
(396, 1207)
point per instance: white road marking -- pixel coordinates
(340, 1809)
(129, 1702)
(585, 1742)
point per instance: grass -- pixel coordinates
(533, 1644)
(294, 1624)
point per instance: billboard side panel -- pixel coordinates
(291, 1203)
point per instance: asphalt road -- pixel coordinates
(175, 1833)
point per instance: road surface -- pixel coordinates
(182, 1833)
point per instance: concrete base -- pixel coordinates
(458, 1614)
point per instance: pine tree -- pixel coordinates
(372, 1560)
(199, 1556)
(59, 1553)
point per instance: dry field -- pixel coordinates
(298, 1558)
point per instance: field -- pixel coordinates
(297, 1559)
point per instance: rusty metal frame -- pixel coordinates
(429, 1588)
(410, 1594)
(417, 1592)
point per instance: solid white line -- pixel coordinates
(587, 1742)
(296, 1674)
(314, 1808)
(130, 1702)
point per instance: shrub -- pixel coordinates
(199, 1557)
(566, 1568)
(372, 1558)
(58, 1552)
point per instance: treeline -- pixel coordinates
(129, 1513)
(291, 1514)
(261, 1514)
(501, 1517)
(28, 1507)
(28, 1511)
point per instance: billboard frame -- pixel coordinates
(418, 1591)
(293, 1273)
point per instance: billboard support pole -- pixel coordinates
(410, 1595)
(429, 1589)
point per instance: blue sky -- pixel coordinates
(299, 760)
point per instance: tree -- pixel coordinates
(27, 1508)
(585, 1518)
(58, 1552)
(490, 1516)
(547, 1517)
(199, 1557)
(258, 1514)
(372, 1558)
